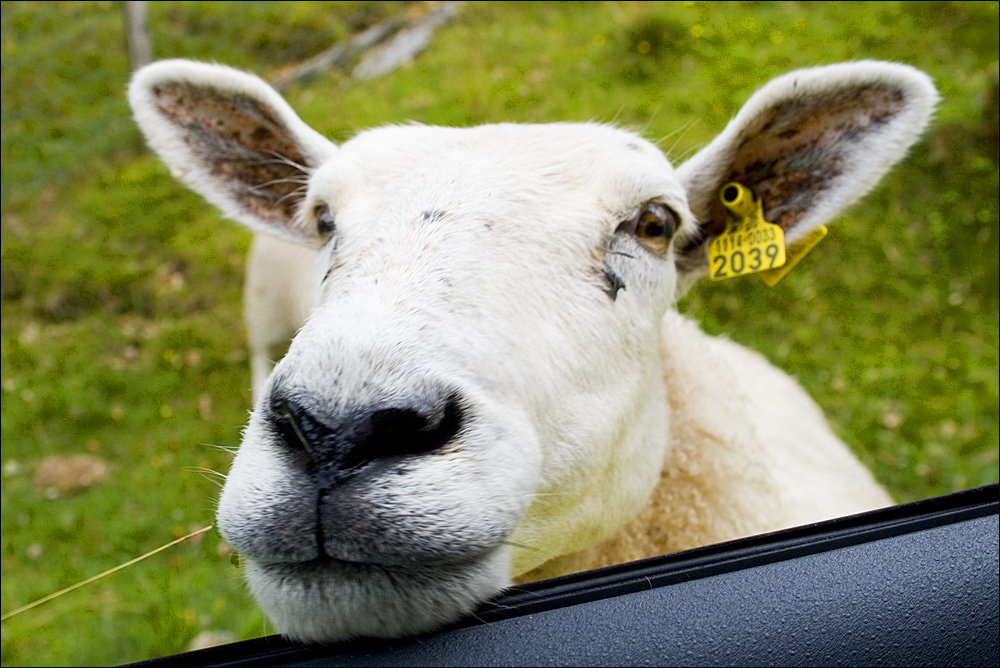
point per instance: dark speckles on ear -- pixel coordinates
(798, 148)
(262, 134)
(243, 143)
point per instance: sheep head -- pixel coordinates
(478, 387)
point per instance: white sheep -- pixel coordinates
(491, 385)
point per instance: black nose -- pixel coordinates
(340, 447)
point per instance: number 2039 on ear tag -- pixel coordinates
(749, 243)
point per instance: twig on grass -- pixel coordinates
(23, 608)
(402, 43)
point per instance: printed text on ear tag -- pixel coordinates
(749, 243)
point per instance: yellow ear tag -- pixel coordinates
(749, 243)
(795, 252)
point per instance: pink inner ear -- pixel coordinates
(242, 143)
(797, 149)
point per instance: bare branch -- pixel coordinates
(342, 52)
(406, 44)
(140, 49)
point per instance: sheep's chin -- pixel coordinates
(328, 601)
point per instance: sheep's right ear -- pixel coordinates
(808, 144)
(231, 138)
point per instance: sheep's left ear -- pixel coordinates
(231, 138)
(809, 143)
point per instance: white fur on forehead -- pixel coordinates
(606, 170)
(558, 149)
(885, 144)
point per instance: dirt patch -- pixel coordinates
(69, 474)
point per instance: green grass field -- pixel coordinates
(122, 336)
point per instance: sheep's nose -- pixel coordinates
(338, 448)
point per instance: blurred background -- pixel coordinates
(124, 370)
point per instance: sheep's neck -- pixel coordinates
(715, 483)
(695, 503)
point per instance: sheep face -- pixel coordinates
(442, 419)
(478, 387)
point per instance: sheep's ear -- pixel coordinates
(809, 143)
(231, 138)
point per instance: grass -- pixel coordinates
(121, 328)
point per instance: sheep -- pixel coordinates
(489, 383)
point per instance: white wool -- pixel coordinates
(486, 290)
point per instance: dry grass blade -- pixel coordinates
(23, 608)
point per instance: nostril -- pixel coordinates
(340, 448)
(407, 431)
(297, 426)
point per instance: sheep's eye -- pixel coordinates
(655, 227)
(324, 220)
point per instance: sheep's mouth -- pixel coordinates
(328, 600)
(395, 563)
(318, 566)
(327, 564)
